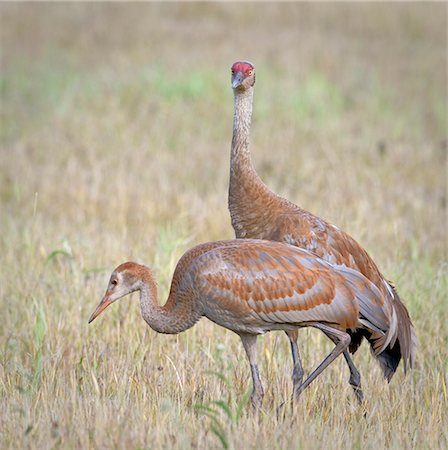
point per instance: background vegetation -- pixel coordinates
(115, 134)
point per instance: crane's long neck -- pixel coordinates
(240, 160)
(248, 195)
(175, 316)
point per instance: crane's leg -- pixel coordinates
(343, 341)
(355, 376)
(297, 371)
(250, 345)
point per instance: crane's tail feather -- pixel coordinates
(406, 336)
(388, 328)
(397, 342)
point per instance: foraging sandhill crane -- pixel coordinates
(257, 212)
(253, 286)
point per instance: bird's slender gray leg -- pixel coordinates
(297, 371)
(343, 341)
(355, 376)
(250, 345)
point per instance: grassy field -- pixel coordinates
(115, 136)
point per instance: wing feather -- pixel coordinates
(280, 284)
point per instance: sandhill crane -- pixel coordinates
(257, 212)
(253, 286)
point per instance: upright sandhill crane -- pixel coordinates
(253, 286)
(257, 212)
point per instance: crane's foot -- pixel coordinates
(256, 400)
(285, 409)
(288, 404)
(355, 383)
(359, 394)
(281, 411)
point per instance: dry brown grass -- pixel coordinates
(116, 123)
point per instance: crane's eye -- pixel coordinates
(113, 282)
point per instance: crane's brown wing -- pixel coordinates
(307, 231)
(279, 284)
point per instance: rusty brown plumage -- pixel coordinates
(252, 287)
(257, 212)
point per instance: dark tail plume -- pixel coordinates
(404, 343)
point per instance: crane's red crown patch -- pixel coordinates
(242, 66)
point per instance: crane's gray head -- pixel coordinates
(243, 75)
(126, 278)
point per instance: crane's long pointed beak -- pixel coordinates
(237, 80)
(104, 303)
